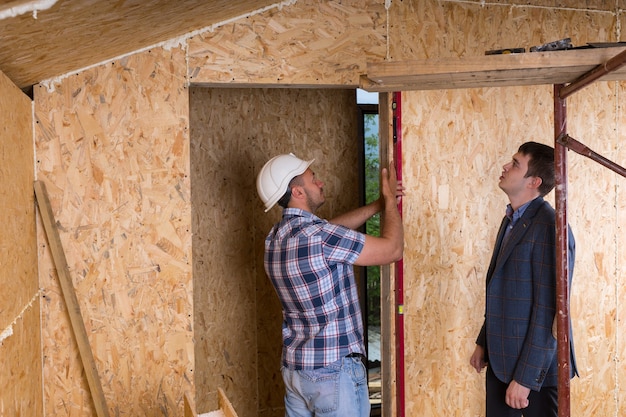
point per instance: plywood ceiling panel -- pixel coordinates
(74, 34)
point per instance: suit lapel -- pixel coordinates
(494, 257)
(504, 249)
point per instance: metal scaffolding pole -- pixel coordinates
(562, 141)
(579, 148)
(562, 255)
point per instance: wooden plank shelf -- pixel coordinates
(530, 68)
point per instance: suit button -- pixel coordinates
(541, 377)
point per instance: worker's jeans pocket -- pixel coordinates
(338, 390)
(322, 387)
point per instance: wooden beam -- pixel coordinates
(189, 406)
(225, 405)
(531, 68)
(71, 302)
(600, 71)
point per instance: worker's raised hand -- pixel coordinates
(390, 186)
(389, 246)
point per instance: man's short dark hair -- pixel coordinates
(541, 164)
(284, 200)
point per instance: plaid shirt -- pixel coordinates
(309, 262)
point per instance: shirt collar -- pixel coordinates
(514, 216)
(296, 212)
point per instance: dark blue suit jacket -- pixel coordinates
(521, 300)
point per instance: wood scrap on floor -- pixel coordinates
(225, 407)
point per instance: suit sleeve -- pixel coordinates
(481, 340)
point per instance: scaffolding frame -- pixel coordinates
(397, 76)
(562, 142)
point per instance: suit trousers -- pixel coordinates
(542, 403)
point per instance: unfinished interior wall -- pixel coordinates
(20, 335)
(455, 143)
(237, 314)
(113, 151)
(112, 147)
(482, 128)
(596, 209)
(449, 288)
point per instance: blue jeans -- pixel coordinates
(339, 390)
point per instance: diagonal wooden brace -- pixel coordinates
(71, 302)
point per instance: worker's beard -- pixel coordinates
(314, 202)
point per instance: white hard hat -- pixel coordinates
(273, 179)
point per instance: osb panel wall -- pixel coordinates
(20, 337)
(324, 43)
(455, 143)
(112, 148)
(451, 28)
(618, 152)
(596, 207)
(309, 43)
(237, 314)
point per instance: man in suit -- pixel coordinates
(516, 342)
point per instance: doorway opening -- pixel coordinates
(237, 315)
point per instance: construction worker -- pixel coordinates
(310, 263)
